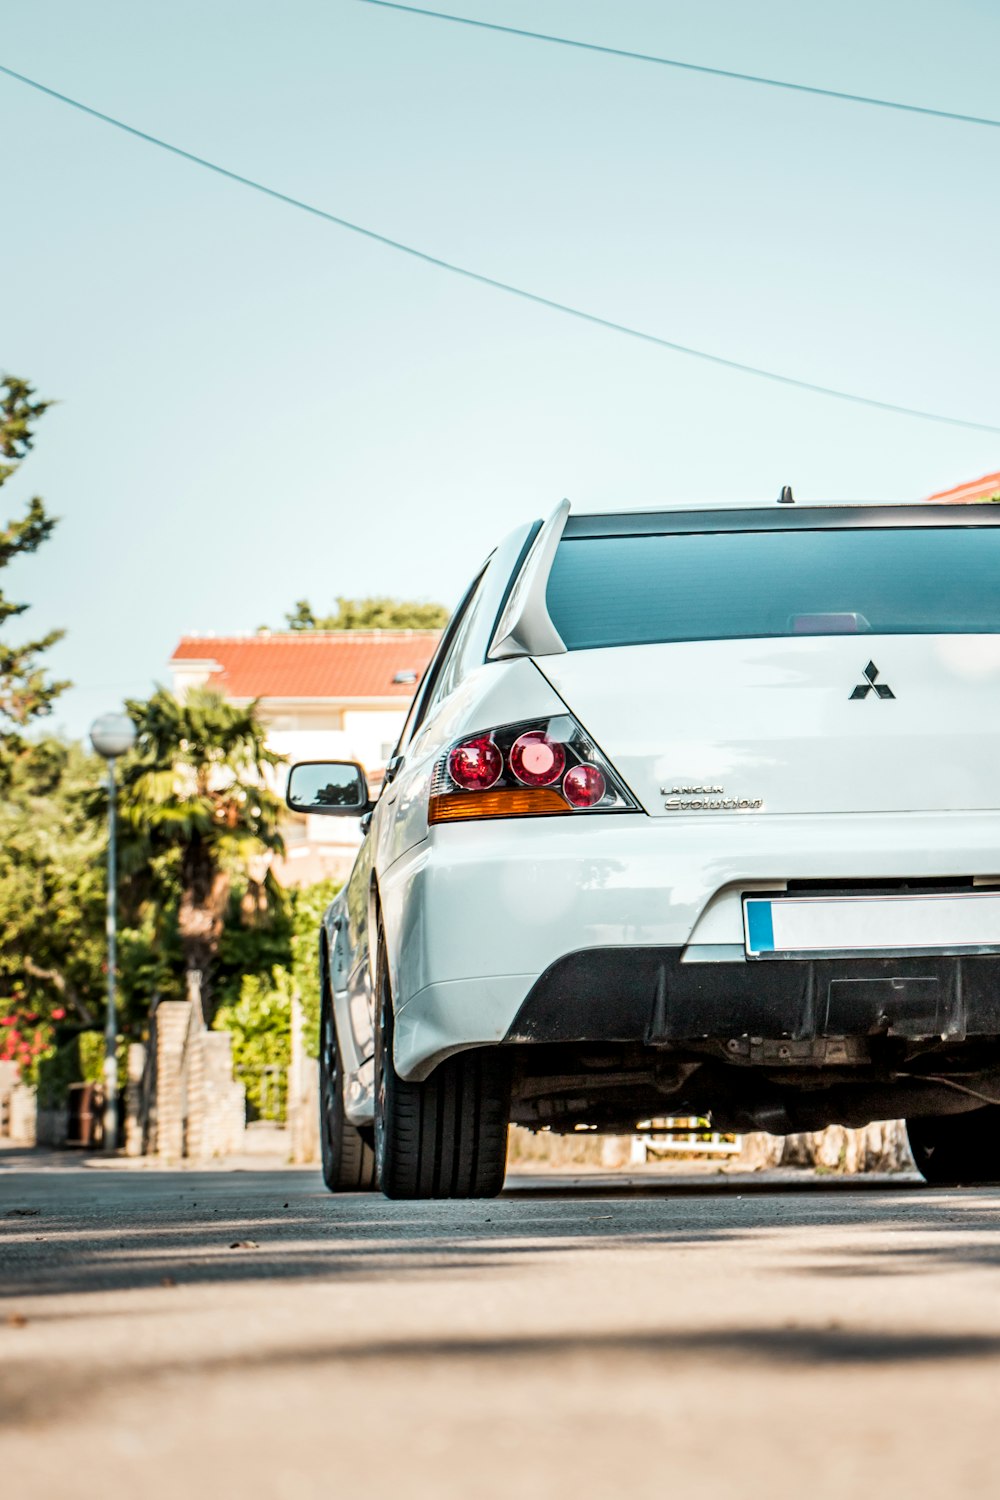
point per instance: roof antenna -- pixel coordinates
(786, 497)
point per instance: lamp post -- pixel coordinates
(111, 735)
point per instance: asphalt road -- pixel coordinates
(191, 1334)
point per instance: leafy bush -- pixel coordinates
(261, 1025)
(260, 1020)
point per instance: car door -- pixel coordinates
(378, 834)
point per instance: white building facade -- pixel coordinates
(323, 695)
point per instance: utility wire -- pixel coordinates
(491, 281)
(688, 67)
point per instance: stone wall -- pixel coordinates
(222, 1107)
(173, 1019)
(23, 1120)
(303, 1095)
(135, 1123)
(18, 1107)
(303, 1114)
(880, 1147)
(8, 1081)
(200, 1108)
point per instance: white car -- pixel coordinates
(695, 811)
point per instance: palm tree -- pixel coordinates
(199, 820)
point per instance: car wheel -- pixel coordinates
(445, 1137)
(957, 1150)
(348, 1159)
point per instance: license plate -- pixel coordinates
(835, 926)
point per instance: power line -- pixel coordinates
(689, 67)
(491, 281)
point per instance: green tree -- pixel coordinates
(199, 823)
(261, 1024)
(370, 614)
(260, 1017)
(52, 894)
(25, 693)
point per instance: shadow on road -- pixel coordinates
(43, 1389)
(99, 1258)
(72, 1231)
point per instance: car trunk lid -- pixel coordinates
(830, 724)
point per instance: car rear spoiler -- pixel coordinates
(525, 628)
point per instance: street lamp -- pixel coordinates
(111, 735)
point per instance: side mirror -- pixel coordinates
(336, 787)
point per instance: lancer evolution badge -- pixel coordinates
(706, 799)
(864, 688)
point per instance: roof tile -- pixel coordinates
(978, 489)
(313, 663)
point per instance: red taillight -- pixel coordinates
(536, 760)
(475, 765)
(584, 786)
(540, 768)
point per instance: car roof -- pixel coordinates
(794, 516)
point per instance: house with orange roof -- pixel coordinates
(984, 489)
(323, 695)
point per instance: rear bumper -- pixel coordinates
(630, 928)
(649, 995)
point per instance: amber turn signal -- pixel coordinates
(506, 802)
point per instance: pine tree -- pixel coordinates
(25, 691)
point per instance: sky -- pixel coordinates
(255, 406)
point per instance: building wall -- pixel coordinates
(367, 735)
(317, 848)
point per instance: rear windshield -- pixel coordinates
(627, 590)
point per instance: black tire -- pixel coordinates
(348, 1159)
(445, 1137)
(957, 1150)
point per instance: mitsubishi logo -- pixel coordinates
(870, 685)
